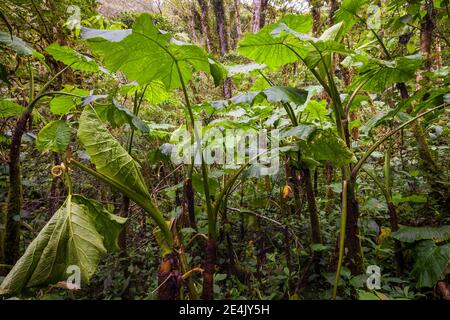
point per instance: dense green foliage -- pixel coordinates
(90, 116)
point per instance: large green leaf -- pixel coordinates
(272, 94)
(62, 104)
(243, 68)
(412, 234)
(9, 108)
(378, 74)
(147, 54)
(78, 234)
(349, 11)
(70, 57)
(109, 157)
(16, 44)
(430, 263)
(314, 49)
(54, 136)
(155, 92)
(286, 95)
(325, 146)
(264, 48)
(117, 115)
(302, 132)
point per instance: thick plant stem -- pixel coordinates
(341, 238)
(312, 208)
(210, 250)
(209, 265)
(354, 256)
(169, 278)
(188, 203)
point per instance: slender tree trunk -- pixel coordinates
(11, 213)
(315, 13)
(228, 88)
(238, 19)
(221, 26)
(258, 14)
(193, 22)
(262, 21)
(334, 6)
(223, 42)
(204, 22)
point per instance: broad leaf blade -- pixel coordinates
(109, 157)
(9, 108)
(412, 234)
(70, 57)
(16, 44)
(275, 51)
(430, 263)
(148, 54)
(54, 136)
(79, 234)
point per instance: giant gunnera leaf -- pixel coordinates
(145, 54)
(412, 234)
(115, 163)
(431, 262)
(263, 48)
(78, 234)
(70, 57)
(109, 157)
(325, 146)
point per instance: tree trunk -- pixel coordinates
(228, 88)
(238, 19)
(223, 42)
(11, 213)
(258, 14)
(315, 13)
(220, 26)
(193, 20)
(334, 6)
(204, 22)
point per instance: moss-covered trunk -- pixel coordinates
(10, 234)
